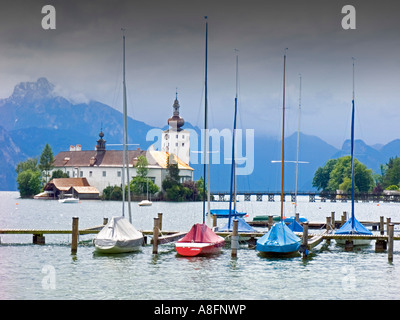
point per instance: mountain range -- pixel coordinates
(35, 115)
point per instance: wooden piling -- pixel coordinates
(160, 220)
(105, 221)
(38, 239)
(388, 221)
(349, 245)
(234, 238)
(75, 234)
(381, 225)
(390, 241)
(155, 235)
(344, 218)
(328, 223)
(214, 219)
(297, 217)
(304, 241)
(333, 222)
(270, 222)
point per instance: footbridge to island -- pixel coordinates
(312, 196)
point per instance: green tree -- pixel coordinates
(112, 193)
(58, 174)
(172, 168)
(391, 173)
(46, 160)
(340, 176)
(29, 183)
(142, 185)
(322, 175)
(142, 166)
(30, 163)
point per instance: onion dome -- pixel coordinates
(176, 122)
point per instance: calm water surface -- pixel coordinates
(30, 271)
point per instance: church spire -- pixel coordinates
(176, 122)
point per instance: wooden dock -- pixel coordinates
(159, 236)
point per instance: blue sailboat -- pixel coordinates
(243, 226)
(353, 226)
(280, 240)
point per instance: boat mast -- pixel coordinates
(297, 154)
(283, 133)
(233, 170)
(205, 129)
(125, 138)
(352, 154)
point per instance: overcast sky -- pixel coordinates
(165, 51)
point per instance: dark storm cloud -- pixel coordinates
(165, 50)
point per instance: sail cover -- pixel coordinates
(279, 239)
(353, 226)
(201, 233)
(118, 229)
(243, 226)
(295, 226)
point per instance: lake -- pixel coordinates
(49, 271)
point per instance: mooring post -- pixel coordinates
(160, 220)
(333, 220)
(75, 234)
(304, 241)
(390, 241)
(388, 221)
(349, 245)
(214, 219)
(105, 221)
(234, 238)
(328, 223)
(270, 222)
(155, 235)
(381, 225)
(297, 217)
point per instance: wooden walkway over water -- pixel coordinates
(309, 240)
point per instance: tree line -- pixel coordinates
(172, 188)
(336, 175)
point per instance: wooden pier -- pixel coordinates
(309, 240)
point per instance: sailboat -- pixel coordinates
(280, 240)
(119, 235)
(293, 224)
(201, 240)
(243, 226)
(353, 226)
(146, 202)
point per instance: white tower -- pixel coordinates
(175, 139)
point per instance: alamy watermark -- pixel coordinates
(244, 147)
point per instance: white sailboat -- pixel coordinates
(119, 235)
(146, 202)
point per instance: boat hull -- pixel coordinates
(68, 200)
(107, 246)
(278, 249)
(356, 242)
(145, 203)
(192, 249)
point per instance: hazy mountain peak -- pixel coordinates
(32, 91)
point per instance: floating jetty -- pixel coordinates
(384, 241)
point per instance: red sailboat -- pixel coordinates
(201, 240)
